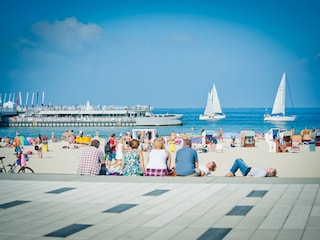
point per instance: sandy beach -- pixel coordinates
(305, 163)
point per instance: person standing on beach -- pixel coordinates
(101, 140)
(186, 159)
(250, 171)
(92, 159)
(53, 138)
(220, 137)
(17, 143)
(127, 139)
(119, 152)
(112, 154)
(39, 144)
(132, 163)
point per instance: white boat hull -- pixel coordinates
(212, 117)
(160, 120)
(280, 118)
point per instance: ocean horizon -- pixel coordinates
(237, 120)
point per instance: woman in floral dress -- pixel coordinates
(132, 163)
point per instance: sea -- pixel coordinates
(237, 120)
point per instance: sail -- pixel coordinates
(279, 102)
(215, 101)
(208, 109)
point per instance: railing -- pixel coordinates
(8, 111)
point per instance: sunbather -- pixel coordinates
(250, 171)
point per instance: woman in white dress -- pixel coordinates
(119, 151)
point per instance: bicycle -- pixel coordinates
(14, 167)
(2, 167)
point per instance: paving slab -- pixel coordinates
(57, 206)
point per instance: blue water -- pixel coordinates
(237, 119)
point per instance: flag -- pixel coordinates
(32, 99)
(42, 98)
(20, 98)
(27, 96)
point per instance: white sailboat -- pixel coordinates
(213, 109)
(278, 110)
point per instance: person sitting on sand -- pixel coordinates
(159, 160)
(205, 170)
(186, 160)
(250, 171)
(132, 163)
(92, 160)
(233, 142)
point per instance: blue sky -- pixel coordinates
(164, 53)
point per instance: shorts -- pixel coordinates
(111, 155)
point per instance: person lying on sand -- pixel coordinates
(250, 171)
(205, 170)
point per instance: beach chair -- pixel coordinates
(317, 138)
(287, 140)
(294, 148)
(306, 135)
(249, 140)
(219, 148)
(296, 138)
(210, 137)
(199, 148)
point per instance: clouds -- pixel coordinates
(68, 34)
(58, 52)
(90, 48)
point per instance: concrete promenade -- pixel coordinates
(56, 206)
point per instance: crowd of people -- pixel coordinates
(125, 157)
(18, 143)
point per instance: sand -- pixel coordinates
(305, 163)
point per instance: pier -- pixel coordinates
(5, 113)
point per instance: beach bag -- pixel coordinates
(36, 147)
(107, 148)
(103, 169)
(23, 160)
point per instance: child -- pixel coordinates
(205, 170)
